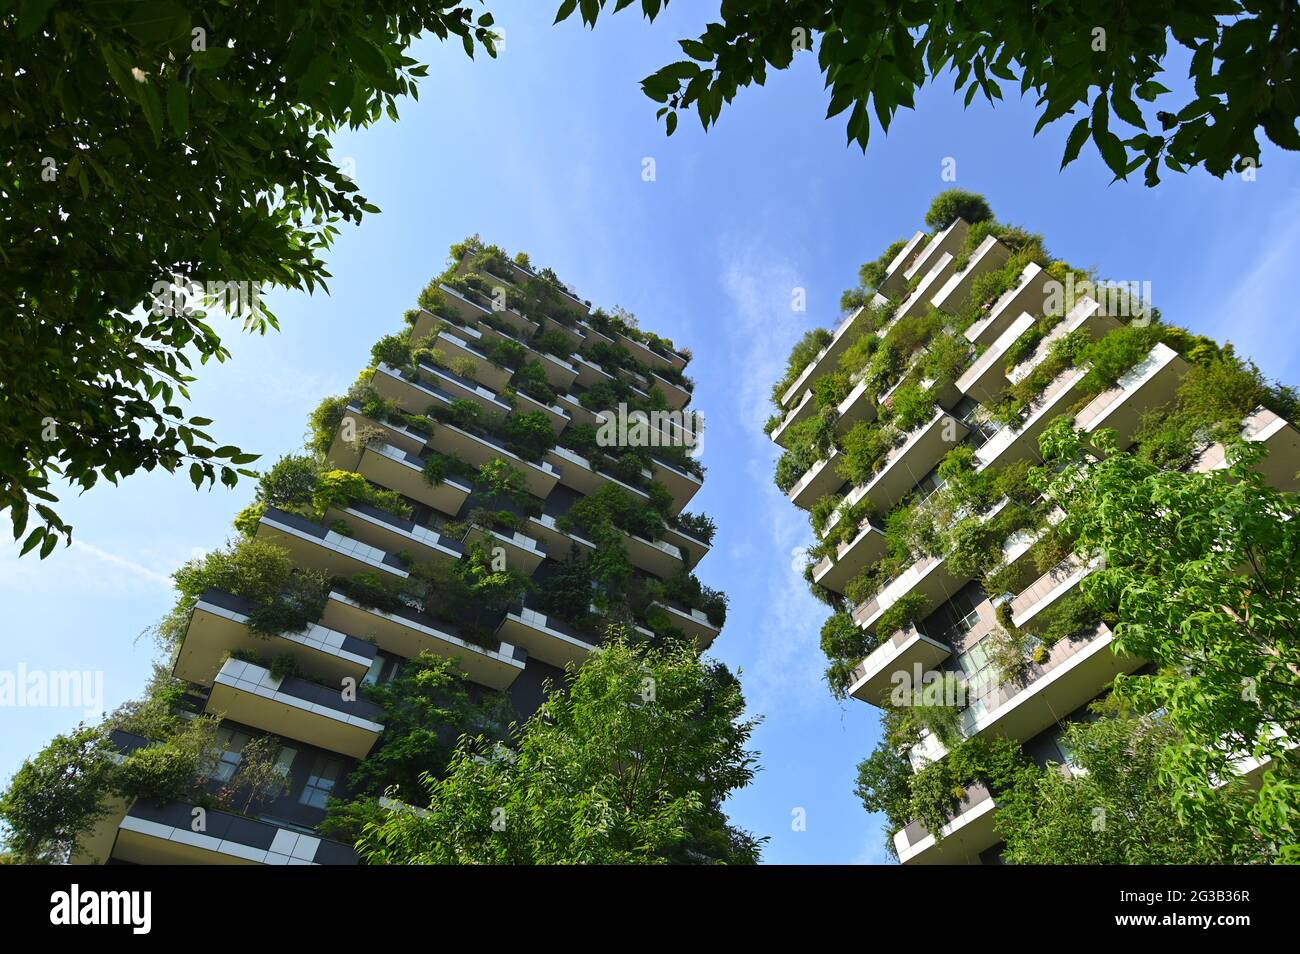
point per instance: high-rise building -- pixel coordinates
(508, 475)
(908, 433)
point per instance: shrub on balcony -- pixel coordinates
(528, 434)
(697, 525)
(907, 610)
(864, 449)
(530, 378)
(953, 204)
(937, 789)
(910, 406)
(426, 708)
(805, 349)
(505, 354)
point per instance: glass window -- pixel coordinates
(231, 744)
(320, 783)
(284, 759)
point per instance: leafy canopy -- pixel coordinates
(1097, 60)
(147, 142)
(629, 765)
(1203, 569)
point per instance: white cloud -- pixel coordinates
(1256, 312)
(96, 571)
(761, 329)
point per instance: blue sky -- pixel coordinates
(543, 150)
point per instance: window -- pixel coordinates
(284, 759)
(232, 745)
(320, 783)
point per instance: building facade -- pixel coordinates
(908, 432)
(465, 500)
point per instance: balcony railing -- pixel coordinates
(895, 283)
(851, 557)
(986, 378)
(1012, 443)
(219, 626)
(990, 254)
(1152, 382)
(329, 551)
(154, 834)
(402, 471)
(1027, 296)
(295, 708)
(407, 631)
(906, 656)
(968, 834)
(547, 638)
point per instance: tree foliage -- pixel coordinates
(629, 764)
(1203, 569)
(1096, 61)
(169, 140)
(1115, 806)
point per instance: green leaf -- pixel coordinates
(178, 108)
(1078, 136)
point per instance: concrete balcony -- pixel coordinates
(295, 708)
(407, 632)
(648, 356)
(522, 552)
(930, 577)
(1012, 443)
(990, 254)
(1151, 383)
(801, 411)
(402, 471)
(574, 332)
(446, 385)
(546, 638)
(918, 300)
(674, 394)
(895, 283)
(560, 373)
(851, 558)
(820, 479)
(828, 358)
(657, 557)
(219, 626)
(907, 654)
(315, 547)
(1074, 673)
(556, 416)
(559, 543)
(163, 834)
(576, 411)
(591, 336)
(345, 454)
(987, 377)
(682, 484)
(589, 373)
(1282, 440)
(961, 841)
(1084, 316)
(577, 473)
(693, 549)
(393, 534)
(477, 449)
(1049, 589)
(947, 242)
(909, 462)
(437, 387)
(1027, 296)
(856, 406)
(465, 312)
(485, 372)
(693, 622)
